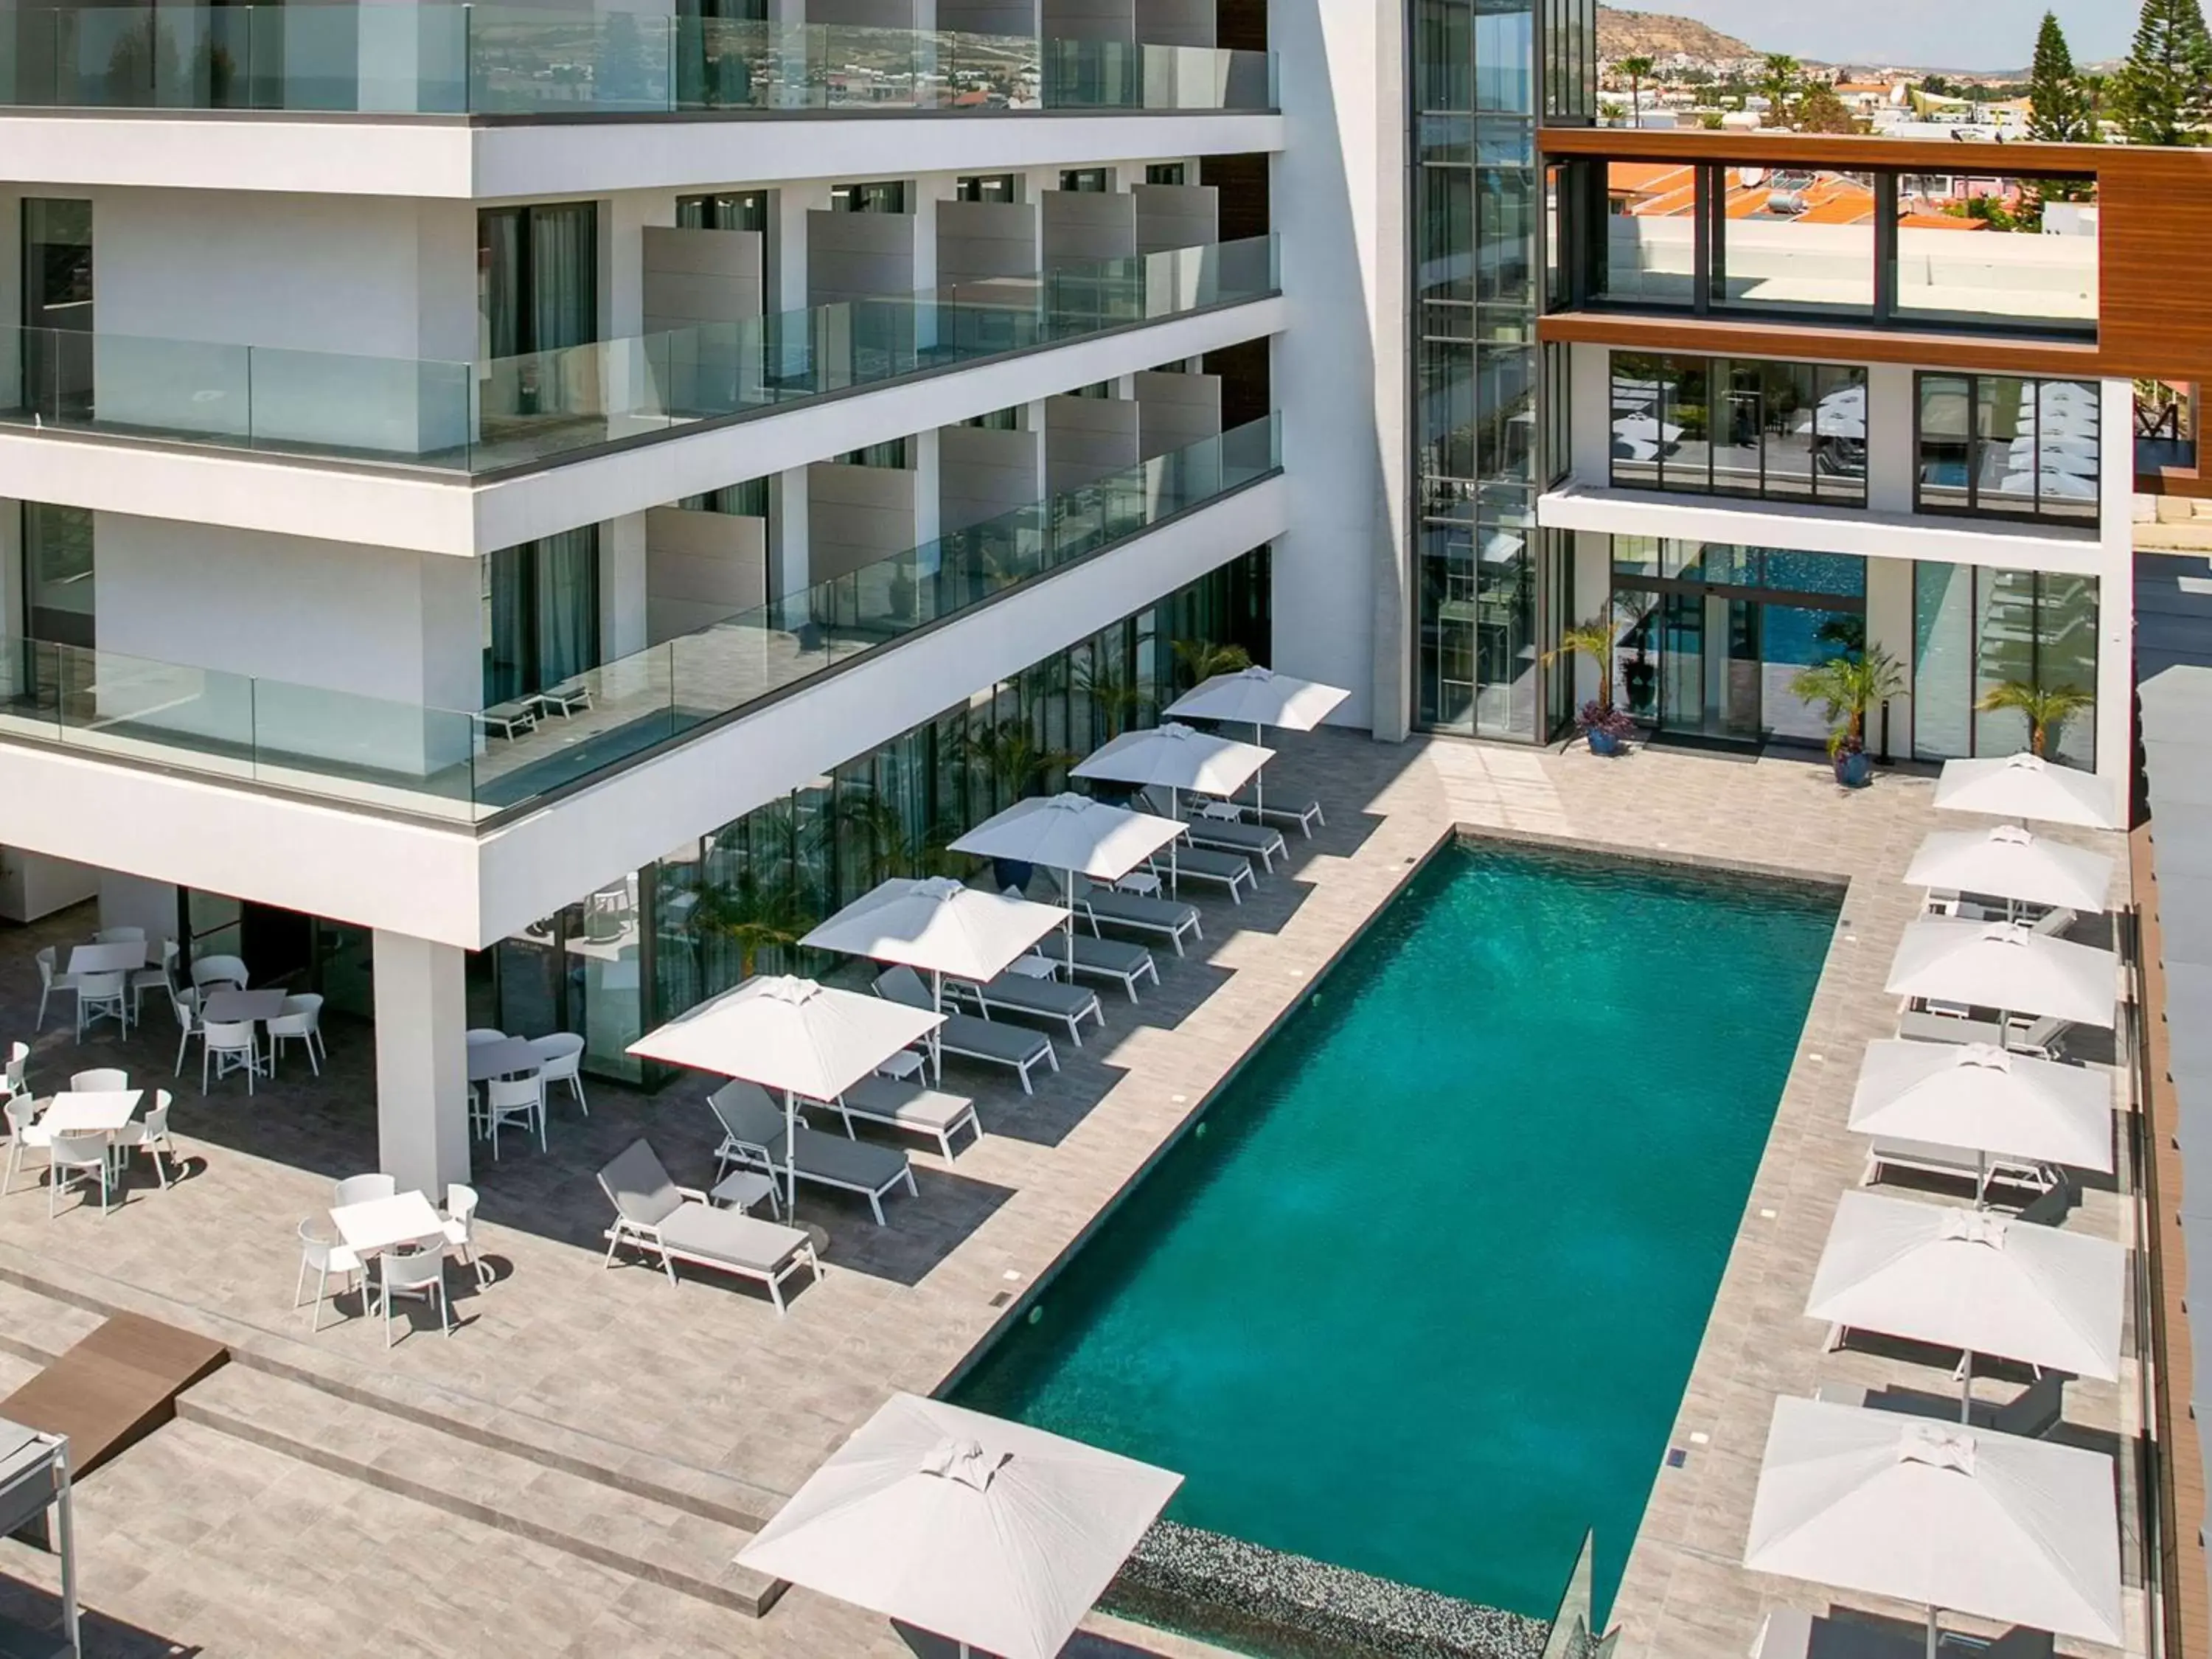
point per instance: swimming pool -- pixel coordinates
(1419, 1294)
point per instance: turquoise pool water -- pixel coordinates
(1420, 1295)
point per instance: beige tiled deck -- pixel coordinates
(701, 1391)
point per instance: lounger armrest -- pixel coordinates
(694, 1194)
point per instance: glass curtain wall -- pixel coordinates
(1976, 629)
(1723, 426)
(662, 939)
(538, 278)
(2000, 446)
(58, 573)
(1477, 266)
(56, 306)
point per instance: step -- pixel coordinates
(660, 1543)
(38, 1328)
(113, 1386)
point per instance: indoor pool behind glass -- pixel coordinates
(1420, 1294)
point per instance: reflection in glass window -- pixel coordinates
(2009, 447)
(58, 579)
(1739, 427)
(1988, 252)
(1977, 629)
(1797, 241)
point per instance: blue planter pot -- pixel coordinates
(1855, 771)
(1604, 743)
(1012, 873)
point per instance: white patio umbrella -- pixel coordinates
(1973, 1280)
(1074, 835)
(1977, 1096)
(1176, 758)
(789, 1034)
(1645, 429)
(992, 1533)
(1998, 964)
(938, 926)
(2009, 862)
(2024, 786)
(1995, 1525)
(1258, 697)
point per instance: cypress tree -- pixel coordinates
(2165, 91)
(2060, 107)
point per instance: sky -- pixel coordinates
(1967, 34)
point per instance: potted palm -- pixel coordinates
(753, 915)
(1846, 686)
(1605, 727)
(2047, 708)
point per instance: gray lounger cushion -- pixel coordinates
(640, 1186)
(730, 1236)
(1040, 996)
(1107, 956)
(985, 1039)
(1208, 865)
(1137, 910)
(752, 1117)
(1230, 832)
(907, 1104)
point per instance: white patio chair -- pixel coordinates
(103, 996)
(477, 1035)
(421, 1274)
(219, 971)
(302, 1022)
(119, 936)
(72, 1159)
(18, 1064)
(49, 981)
(362, 1189)
(461, 1228)
(229, 1044)
(23, 1134)
(98, 1079)
(143, 980)
(515, 1100)
(322, 1257)
(186, 1006)
(151, 1133)
(561, 1060)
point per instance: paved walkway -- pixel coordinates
(701, 1395)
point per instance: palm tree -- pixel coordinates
(1014, 758)
(752, 913)
(1635, 69)
(1112, 691)
(1594, 639)
(1201, 659)
(2046, 706)
(1846, 686)
(1779, 79)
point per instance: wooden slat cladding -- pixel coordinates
(1717, 337)
(2154, 306)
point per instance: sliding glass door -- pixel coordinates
(538, 278)
(541, 614)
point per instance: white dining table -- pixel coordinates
(90, 1111)
(385, 1224)
(505, 1058)
(228, 1007)
(114, 958)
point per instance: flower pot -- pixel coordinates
(1604, 743)
(1855, 771)
(1012, 873)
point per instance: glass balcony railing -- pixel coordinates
(443, 59)
(532, 409)
(461, 766)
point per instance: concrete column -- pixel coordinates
(928, 485)
(788, 525)
(621, 587)
(2116, 589)
(1891, 465)
(1889, 625)
(422, 1071)
(793, 203)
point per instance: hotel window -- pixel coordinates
(1164, 172)
(1733, 426)
(1004, 187)
(884, 196)
(744, 210)
(58, 579)
(1975, 629)
(541, 613)
(1087, 181)
(538, 278)
(893, 455)
(2003, 447)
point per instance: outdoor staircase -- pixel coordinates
(658, 1522)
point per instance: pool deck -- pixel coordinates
(520, 1487)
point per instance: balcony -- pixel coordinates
(514, 414)
(525, 61)
(461, 767)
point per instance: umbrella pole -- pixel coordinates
(1965, 1392)
(1934, 1635)
(1258, 783)
(1981, 1179)
(790, 1154)
(937, 1035)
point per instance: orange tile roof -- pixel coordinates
(1939, 221)
(1641, 177)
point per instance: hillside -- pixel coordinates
(1655, 34)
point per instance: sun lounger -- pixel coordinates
(1103, 905)
(1044, 999)
(507, 720)
(1101, 958)
(1220, 824)
(2056, 922)
(1928, 1159)
(1792, 1633)
(1231, 870)
(2045, 1037)
(971, 1038)
(2038, 1409)
(903, 1103)
(677, 1224)
(754, 1137)
(1304, 814)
